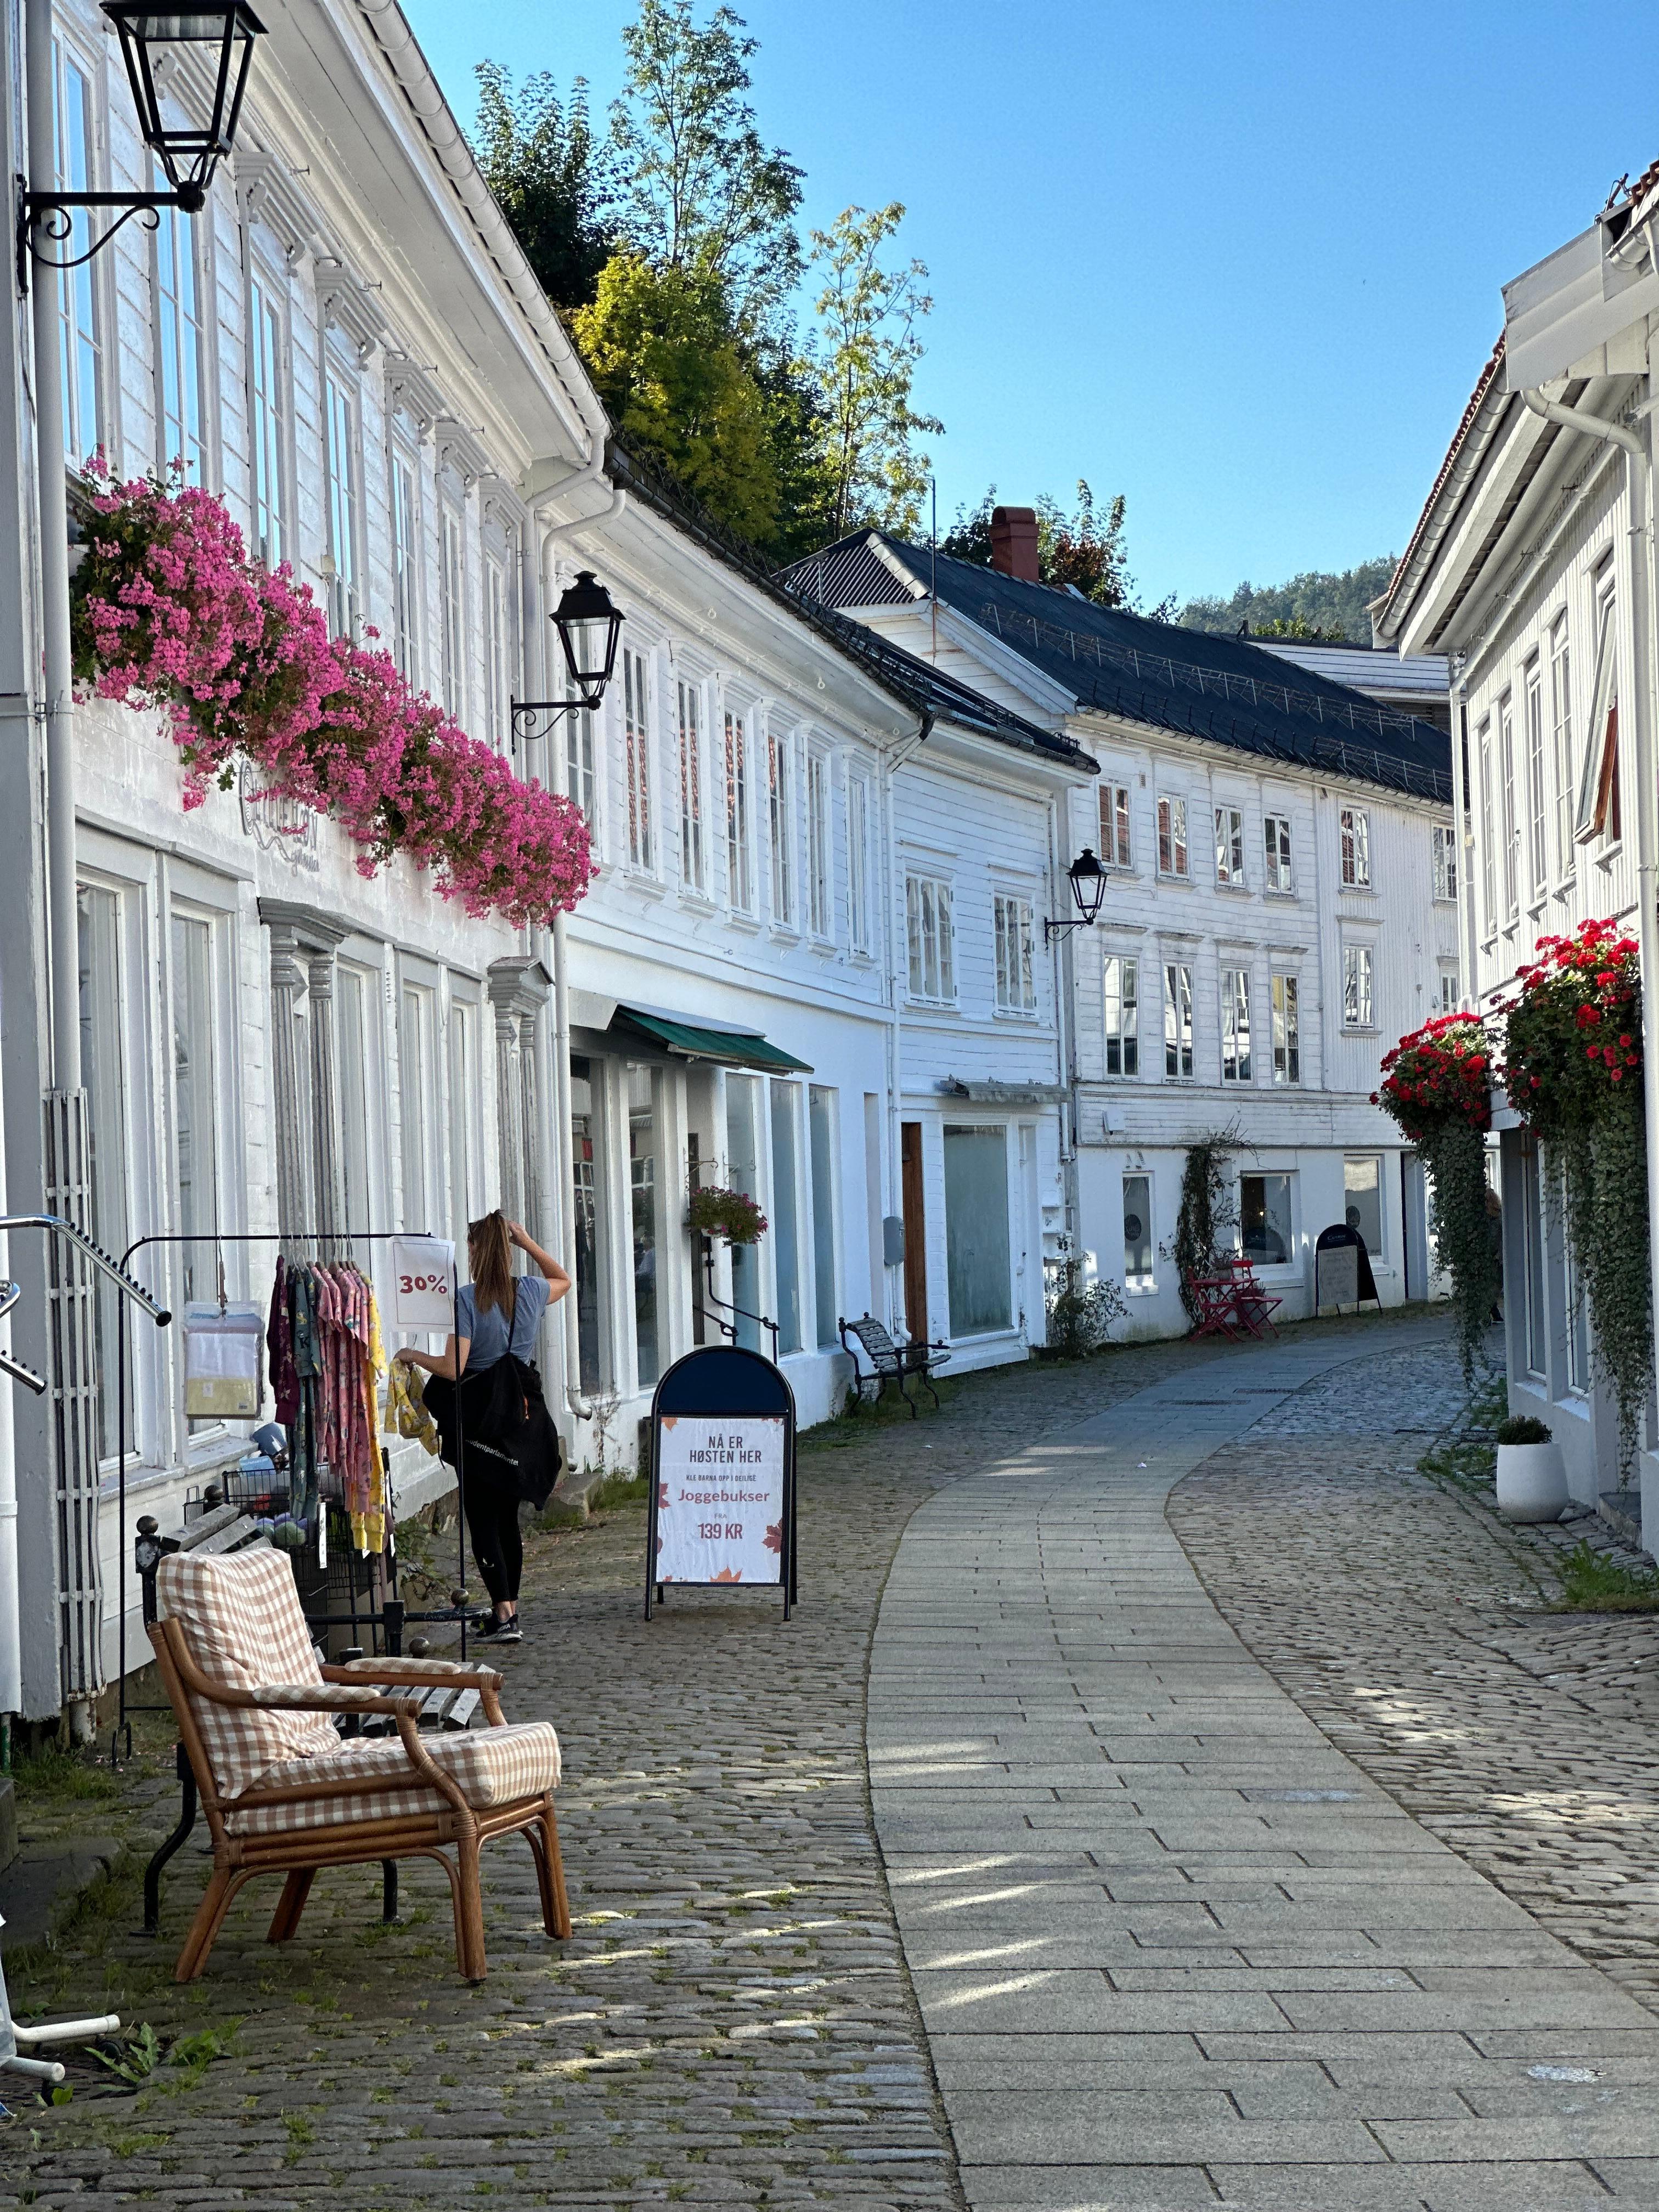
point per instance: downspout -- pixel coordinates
(1647, 812)
(894, 762)
(1065, 1068)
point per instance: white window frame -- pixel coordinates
(1354, 836)
(1279, 852)
(1284, 994)
(1538, 798)
(1443, 849)
(820, 909)
(1230, 847)
(1488, 831)
(1121, 1014)
(1013, 929)
(1358, 987)
(690, 726)
(405, 490)
(1140, 1280)
(1451, 995)
(179, 332)
(739, 813)
(1117, 839)
(1511, 824)
(1237, 1064)
(452, 607)
(1178, 1021)
(499, 656)
(1595, 815)
(1174, 854)
(636, 760)
(1561, 746)
(582, 779)
(269, 385)
(930, 940)
(82, 337)
(781, 824)
(343, 476)
(858, 864)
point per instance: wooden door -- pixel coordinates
(915, 1229)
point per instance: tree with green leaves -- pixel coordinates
(864, 365)
(1085, 549)
(1332, 606)
(553, 181)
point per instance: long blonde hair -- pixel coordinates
(490, 1257)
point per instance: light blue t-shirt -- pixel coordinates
(486, 1332)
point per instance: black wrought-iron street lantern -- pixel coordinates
(589, 624)
(189, 153)
(1088, 881)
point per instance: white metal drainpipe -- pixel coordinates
(1647, 809)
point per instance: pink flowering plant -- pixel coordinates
(169, 612)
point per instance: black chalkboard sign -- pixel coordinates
(722, 1475)
(1342, 1268)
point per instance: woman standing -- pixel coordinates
(497, 1313)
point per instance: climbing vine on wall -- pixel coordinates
(1207, 1216)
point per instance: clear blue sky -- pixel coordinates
(1241, 262)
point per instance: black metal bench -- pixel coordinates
(890, 1362)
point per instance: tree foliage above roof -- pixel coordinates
(554, 182)
(1086, 549)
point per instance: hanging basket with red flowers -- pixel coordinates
(1573, 1057)
(1437, 1085)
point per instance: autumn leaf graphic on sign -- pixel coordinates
(729, 1575)
(662, 1498)
(775, 1538)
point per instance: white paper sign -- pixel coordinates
(720, 1498)
(422, 1283)
(1339, 1276)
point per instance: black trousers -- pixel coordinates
(492, 1523)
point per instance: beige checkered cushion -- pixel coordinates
(242, 1623)
(494, 1766)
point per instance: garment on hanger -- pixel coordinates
(406, 1412)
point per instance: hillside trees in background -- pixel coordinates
(1317, 604)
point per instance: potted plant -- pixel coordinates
(731, 1215)
(1532, 1482)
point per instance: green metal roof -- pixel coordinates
(729, 1047)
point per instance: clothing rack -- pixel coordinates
(287, 1239)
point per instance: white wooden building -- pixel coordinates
(1280, 906)
(1531, 566)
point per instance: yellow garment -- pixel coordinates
(369, 1529)
(405, 1406)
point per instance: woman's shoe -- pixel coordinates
(502, 1631)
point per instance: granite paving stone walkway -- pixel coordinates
(1171, 1947)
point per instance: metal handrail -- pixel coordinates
(19, 1370)
(711, 1298)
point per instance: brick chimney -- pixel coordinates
(1014, 542)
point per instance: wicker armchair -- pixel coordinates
(285, 1793)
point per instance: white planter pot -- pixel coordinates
(1532, 1482)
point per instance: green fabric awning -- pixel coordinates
(728, 1047)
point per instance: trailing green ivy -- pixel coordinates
(1207, 1217)
(1455, 1159)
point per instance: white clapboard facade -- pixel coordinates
(1531, 566)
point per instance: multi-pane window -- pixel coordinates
(1264, 1233)
(1229, 846)
(929, 935)
(1538, 802)
(818, 918)
(266, 357)
(498, 644)
(1488, 846)
(781, 823)
(691, 863)
(1276, 840)
(405, 564)
(1445, 861)
(636, 748)
(1122, 1001)
(1561, 743)
(77, 306)
(1178, 1020)
(739, 843)
(858, 861)
(341, 461)
(1016, 978)
(1287, 1030)
(178, 361)
(1114, 825)
(1598, 790)
(1449, 994)
(1356, 987)
(1172, 837)
(452, 612)
(1511, 824)
(195, 1099)
(1235, 1026)
(581, 766)
(104, 1073)
(1355, 832)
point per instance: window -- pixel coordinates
(1229, 846)
(1264, 1219)
(178, 341)
(1532, 1237)
(103, 1073)
(1287, 1030)
(1598, 792)
(1015, 984)
(1578, 1360)
(1537, 790)
(1114, 825)
(976, 1229)
(742, 1153)
(1122, 1016)
(1488, 844)
(1561, 743)
(581, 759)
(691, 869)
(821, 1117)
(1277, 840)
(587, 1164)
(1178, 1021)
(1137, 1231)
(818, 916)
(927, 928)
(466, 1081)
(1172, 837)
(354, 995)
(781, 823)
(195, 1099)
(858, 861)
(1511, 823)
(1356, 987)
(266, 357)
(643, 1215)
(1235, 1026)
(415, 1092)
(739, 852)
(452, 612)
(1449, 994)
(1355, 840)
(1445, 861)
(636, 747)
(1362, 1190)
(341, 461)
(405, 565)
(77, 308)
(785, 1214)
(498, 641)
